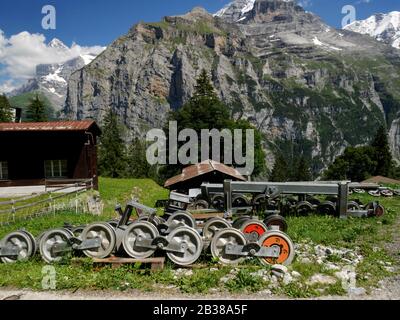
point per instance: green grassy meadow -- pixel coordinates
(365, 234)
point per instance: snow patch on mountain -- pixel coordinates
(383, 27)
(248, 7)
(317, 42)
(237, 8)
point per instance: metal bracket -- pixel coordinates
(9, 251)
(89, 244)
(252, 237)
(357, 214)
(60, 248)
(252, 250)
(160, 243)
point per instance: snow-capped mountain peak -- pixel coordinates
(52, 79)
(383, 27)
(238, 6)
(238, 10)
(57, 44)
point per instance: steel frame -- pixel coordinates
(275, 189)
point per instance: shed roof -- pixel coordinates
(201, 169)
(381, 179)
(83, 125)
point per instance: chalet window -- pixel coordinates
(55, 168)
(3, 170)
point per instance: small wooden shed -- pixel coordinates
(31, 153)
(207, 171)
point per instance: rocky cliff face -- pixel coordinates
(309, 88)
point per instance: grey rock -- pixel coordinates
(356, 291)
(322, 279)
(279, 268)
(331, 266)
(347, 274)
(306, 260)
(272, 68)
(278, 274)
(265, 292)
(287, 279)
(296, 274)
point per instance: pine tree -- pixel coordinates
(5, 109)
(205, 110)
(138, 167)
(280, 170)
(204, 88)
(302, 170)
(383, 156)
(36, 111)
(112, 154)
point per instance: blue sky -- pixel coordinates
(99, 22)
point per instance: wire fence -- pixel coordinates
(55, 198)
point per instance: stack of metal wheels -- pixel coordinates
(248, 238)
(179, 237)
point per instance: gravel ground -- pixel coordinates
(390, 290)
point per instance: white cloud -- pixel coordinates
(21, 53)
(8, 86)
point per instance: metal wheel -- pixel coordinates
(276, 220)
(353, 206)
(35, 244)
(181, 217)
(23, 241)
(253, 229)
(77, 231)
(239, 201)
(141, 230)
(378, 210)
(218, 202)
(212, 226)
(189, 240)
(314, 201)
(359, 191)
(113, 223)
(201, 204)
(327, 208)
(374, 193)
(304, 208)
(291, 201)
(156, 220)
(260, 203)
(106, 233)
(239, 221)
(51, 238)
(283, 242)
(223, 238)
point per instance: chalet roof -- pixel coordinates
(201, 169)
(84, 125)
